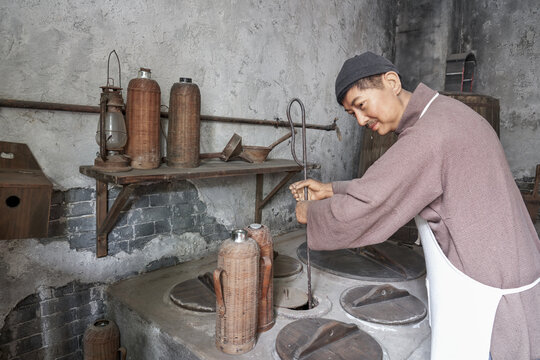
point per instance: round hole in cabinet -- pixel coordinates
(13, 201)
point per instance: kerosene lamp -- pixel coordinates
(111, 135)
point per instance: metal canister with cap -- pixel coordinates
(261, 234)
(236, 286)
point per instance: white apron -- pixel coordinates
(461, 309)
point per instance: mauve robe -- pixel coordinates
(450, 168)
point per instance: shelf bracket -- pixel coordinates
(105, 219)
(260, 202)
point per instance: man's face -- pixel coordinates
(378, 109)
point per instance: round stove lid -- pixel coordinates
(322, 339)
(195, 294)
(383, 304)
(381, 262)
(286, 266)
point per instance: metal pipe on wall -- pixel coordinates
(40, 105)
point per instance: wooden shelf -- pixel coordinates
(209, 168)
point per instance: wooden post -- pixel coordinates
(101, 214)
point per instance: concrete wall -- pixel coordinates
(504, 35)
(249, 59)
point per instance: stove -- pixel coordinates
(154, 326)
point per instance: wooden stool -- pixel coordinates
(532, 201)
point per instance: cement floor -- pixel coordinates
(153, 327)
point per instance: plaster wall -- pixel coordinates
(249, 59)
(504, 36)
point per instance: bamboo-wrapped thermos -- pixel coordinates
(236, 286)
(261, 234)
(143, 118)
(184, 134)
(101, 341)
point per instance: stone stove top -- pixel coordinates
(153, 327)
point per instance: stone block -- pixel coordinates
(80, 208)
(57, 228)
(121, 233)
(28, 344)
(56, 211)
(23, 313)
(78, 355)
(63, 290)
(118, 246)
(182, 209)
(79, 194)
(139, 216)
(83, 240)
(58, 319)
(140, 242)
(182, 224)
(40, 354)
(160, 199)
(57, 197)
(162, 227)
(81, 224)
(144, 229)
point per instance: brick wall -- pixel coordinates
(167, 208)
(51, 324)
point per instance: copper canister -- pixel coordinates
(261, 234)
(184, 134)
(236, 286)
(101, 341)
(143, 121)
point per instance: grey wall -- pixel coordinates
(249, 59)
(504, 35)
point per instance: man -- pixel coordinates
(448, 166)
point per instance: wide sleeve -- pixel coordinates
(406, 179)
(340, 187)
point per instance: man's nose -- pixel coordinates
(361, 118)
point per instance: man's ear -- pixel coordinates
(392, 79)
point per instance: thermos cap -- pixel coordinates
(255, 226)
(239, 235)
(185, 80)
(144, 73)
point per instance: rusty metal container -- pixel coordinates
(143, 121)
(184, 134)
(261, 234)
(101, 341)
(236, 286)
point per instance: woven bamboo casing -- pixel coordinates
(142, 118)
(261, 234)
(184, 134)
(101, 341)
(236, 286)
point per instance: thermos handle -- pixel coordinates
(122, 351)
(267, 276)
(219, 291)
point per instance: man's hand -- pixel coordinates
(302, 211)
(316, 190)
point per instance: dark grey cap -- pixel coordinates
(359, 67)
